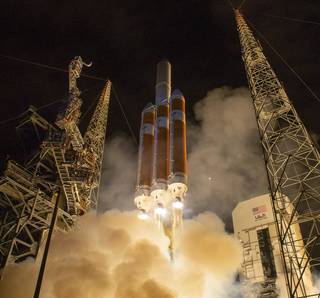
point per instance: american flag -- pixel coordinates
(259, 209)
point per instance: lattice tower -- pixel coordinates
(94, 139)
(292, 162)
(27, 192)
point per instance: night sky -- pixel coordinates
(125, 40)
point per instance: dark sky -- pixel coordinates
(125, 39)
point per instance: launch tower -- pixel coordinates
(292, 162)
(64, 161)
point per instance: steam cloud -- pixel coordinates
(115, 255)
(225, 160)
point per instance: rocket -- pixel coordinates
(162, 165)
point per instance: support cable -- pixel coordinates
(291, 19)
(13, 118)
(230, 3)
(302, 81)
(89, 108)
(82, 75)
(3, 122)
(65, 98)
(124, 115)
(49, 67)
(241, 4)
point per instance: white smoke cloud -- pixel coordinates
(119, 175)
(117, 255)
(316, 282)
(225, 161)
(315, 137)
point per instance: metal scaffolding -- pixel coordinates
(65, 160)
(293, 166)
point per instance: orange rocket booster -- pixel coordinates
(178, 142)
(161, 149)
(145, 163)
(146, 143)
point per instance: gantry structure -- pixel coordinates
(293, 167)
(66, 162)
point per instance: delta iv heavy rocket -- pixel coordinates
(162, 165)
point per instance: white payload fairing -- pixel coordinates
(162, 165)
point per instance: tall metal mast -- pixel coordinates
(94, 139)
(292, 163)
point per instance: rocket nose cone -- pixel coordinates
(176, 94)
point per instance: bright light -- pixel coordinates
(177, 205)
(160, 211)
(143, 216)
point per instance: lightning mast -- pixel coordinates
(94, 139)
(292, 163)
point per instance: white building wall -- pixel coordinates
(249, 217)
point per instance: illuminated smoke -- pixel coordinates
(117, 255)
(119, 175)
(225, 159)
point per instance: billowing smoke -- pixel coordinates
(315, 137)
(119, 175)
(225, 159)
(115, 255)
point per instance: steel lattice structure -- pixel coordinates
(293, 166)
(94, 139)
(65, 160)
